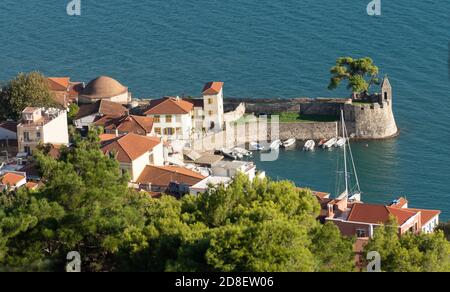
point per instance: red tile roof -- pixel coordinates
(169, 106)
(426, 215)
(11, 179)
(31, 185)
(162, 176)
(129, 147)
(102, 107)
(10, 126)
(378, 214)
(212, 88)
(58, 83)
(128, 124)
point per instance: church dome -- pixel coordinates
(104, 87)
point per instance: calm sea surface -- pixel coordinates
(263, 48)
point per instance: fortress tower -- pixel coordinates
(373, 119)
(386, 90)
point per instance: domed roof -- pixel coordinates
(104, 87)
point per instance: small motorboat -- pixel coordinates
(289, 143)
(330, 143)
(340, 142)
(321, 142)
(254, 146)
(275, 145)
(309, 145)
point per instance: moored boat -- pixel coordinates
(289, 143)
(330, 143)
(309, 145)
(340, 142)
(275, 145)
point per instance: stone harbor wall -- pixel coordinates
(308, 130)
(363, 120)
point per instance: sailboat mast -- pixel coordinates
(345, 153)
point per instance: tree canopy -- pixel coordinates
(359, 73)
(26, 89)
(85, 205)
(410, 252)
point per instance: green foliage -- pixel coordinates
(27, 89)
(410, 252)
(360, 74)
(72, 113)
(445, 227)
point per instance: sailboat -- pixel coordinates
(352, 193)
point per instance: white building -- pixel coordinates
(213, 111)
(172, 118)
(232, 168)
(210, 181)
(11, 181)
(135, 152)
(42, 126)
(105, 88)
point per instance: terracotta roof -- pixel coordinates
(31, 185)
(64, 91)
(102, 107)
(130, 146)
(425, 215)
(400, 203)
(103, 87)
(212, 88)
(129, 124)
(107, 137)
(169, 106)
(11, 179)
(10, 126)
(163, 175)
(58, 83)
(378, 214)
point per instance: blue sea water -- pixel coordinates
(262, 48)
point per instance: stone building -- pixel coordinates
(105, 88)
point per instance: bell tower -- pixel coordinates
(213, 106)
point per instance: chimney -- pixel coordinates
(117, 132)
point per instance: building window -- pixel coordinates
(38, 134)
(156, 119)
(210, 113)
(168, 131)
(158, 131)
(178, 131)
(26, 136)
(168, 119)
(27, 149)
(360, 233)
(210, 101)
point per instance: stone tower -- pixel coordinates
(213, 106)
(386, 91)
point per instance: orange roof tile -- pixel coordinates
(164, 175)
(378, 214)
(169, 106)
(129, 124)
(11, 179)
(426, 215)
(130, 146)
(58, 83)
(31, 185)
(212, 88)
